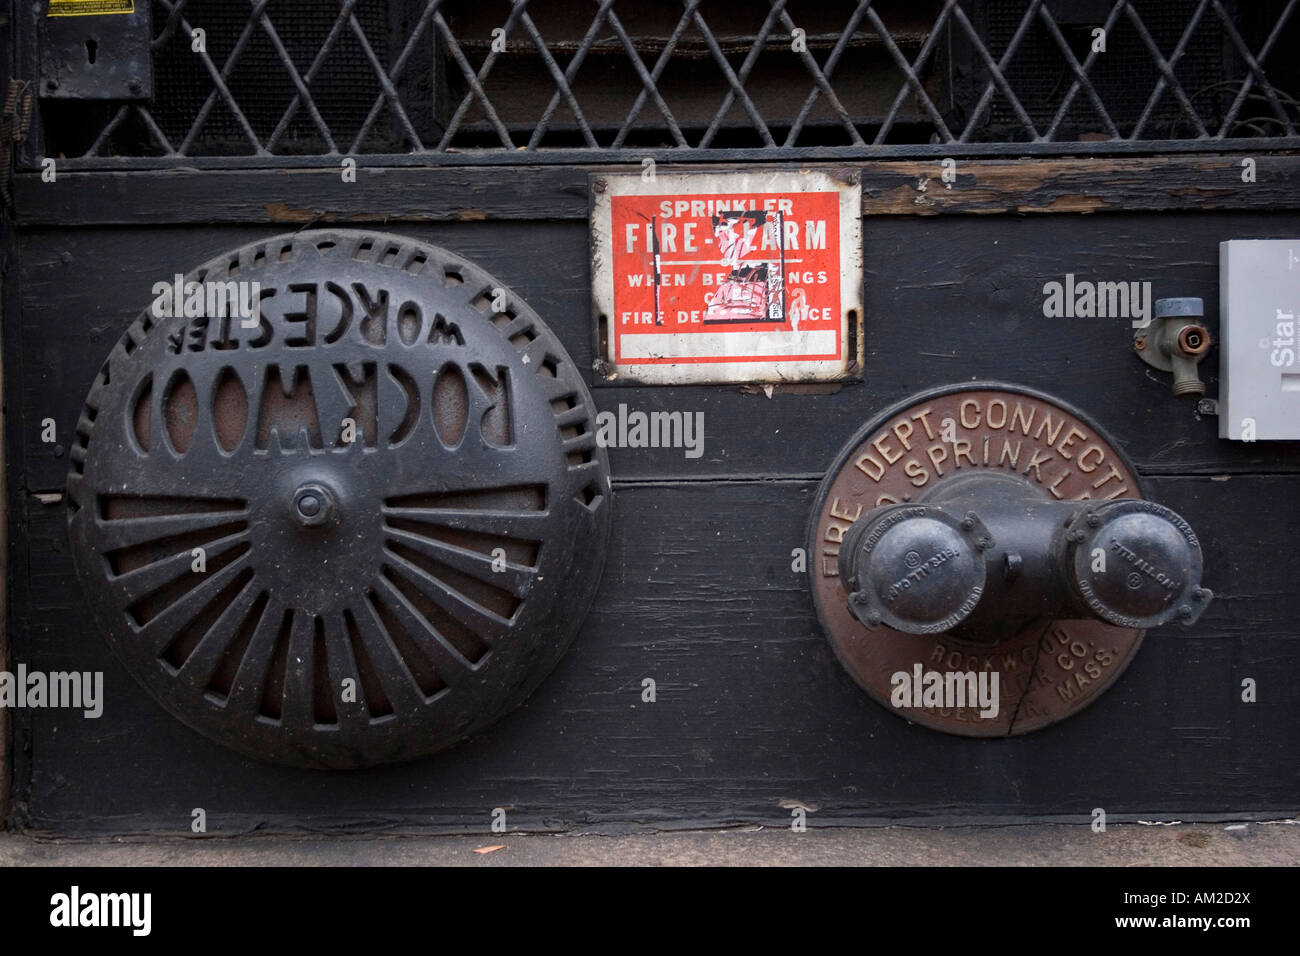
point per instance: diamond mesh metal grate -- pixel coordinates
(451, 80)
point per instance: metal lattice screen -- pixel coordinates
(454, 79)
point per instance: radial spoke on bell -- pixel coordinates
(477, 618)
(341, 665)
(398, 682)
(299, 684)
(451, 664)
(249, 685)
(160, 629)
(524, 525)
(496, 572)
(129, 532)
(199, 666)
(142, 582)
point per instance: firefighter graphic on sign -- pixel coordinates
(754, 291)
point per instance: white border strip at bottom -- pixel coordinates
(688, 345)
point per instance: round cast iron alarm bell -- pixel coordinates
(336, 499)
(990, 539)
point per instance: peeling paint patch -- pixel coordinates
(788, 803)
(283, 212)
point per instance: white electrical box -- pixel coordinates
(1259, 357)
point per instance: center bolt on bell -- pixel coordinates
(313, 504)
(988, 532)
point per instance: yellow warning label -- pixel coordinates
(85, 8)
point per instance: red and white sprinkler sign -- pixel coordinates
(728, 277)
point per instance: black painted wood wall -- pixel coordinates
(752, 710)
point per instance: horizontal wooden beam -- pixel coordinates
(1084, 185)
(391, 194)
